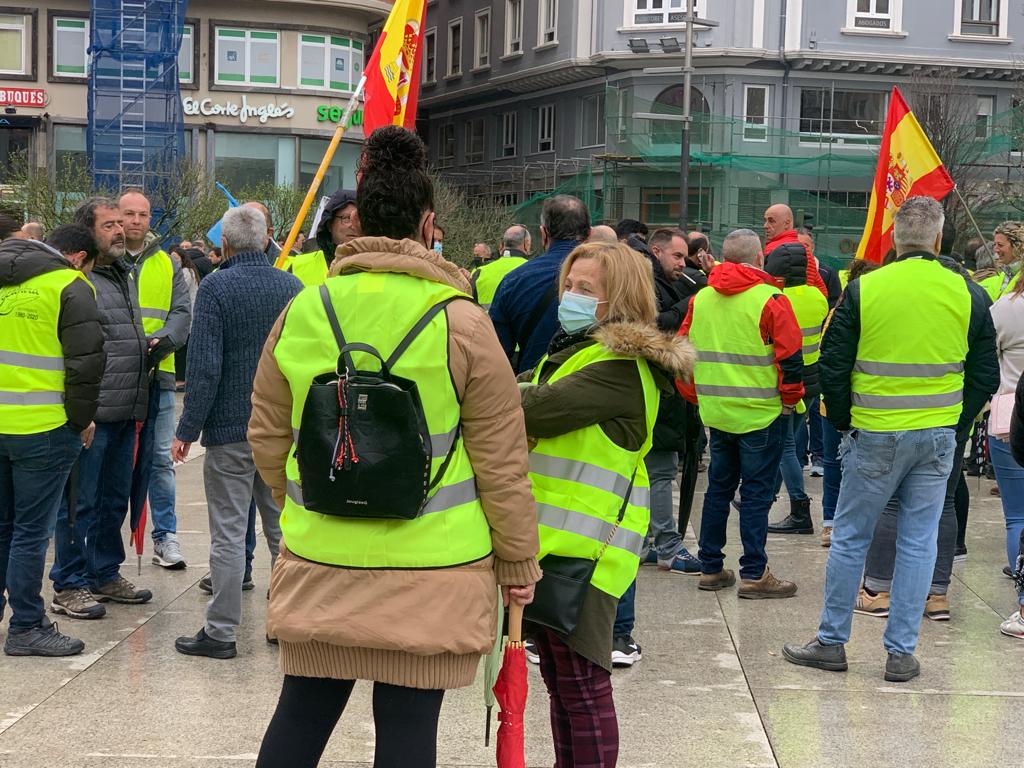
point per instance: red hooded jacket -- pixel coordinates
(778, 328)
(813, 275)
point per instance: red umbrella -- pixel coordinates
(510, 692)
(139, 505)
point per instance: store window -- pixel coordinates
(247, 56)
(592, 120)
(312, 151)
(852, 117)
(331, 63)
(69, 149)
(15, 44)
(14, 150)
(245, 160)
(70, 46)
(186, 55)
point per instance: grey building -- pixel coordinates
(521, 97)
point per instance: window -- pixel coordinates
(186, 55)
(660, 206)
(751, 204)
(509, 134)
(548, 18)
(69, 149)
(755, 112)
(592, 120)
(248, 56)
(430, 56)
(670, 103)
(70, 42)
(312, 151)
(446, 152)
(455, 47)
(246, 160)
(855, 117)
(663, 11)
(980, 17)
(513, 27)
(475, 140)
(14, 44)
(482, 39)
(546, 128)
(870, 15)
(331, 63)
(983, 124)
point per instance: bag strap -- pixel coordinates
(332, 318)
(622, 515)
(417, 329)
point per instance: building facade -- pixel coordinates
(789, 96)
(263, 84)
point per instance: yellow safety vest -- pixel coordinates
(156, 280)
(488, 277)
(580, 481)
(735, 376)
(31, 355)
(810, 307)
(310, 268)
(909, 372)
(844, 278)
(452, 528)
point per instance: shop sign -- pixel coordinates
(243, 111)
(326, 113)
(23, 97)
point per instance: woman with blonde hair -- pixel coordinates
(590, 407)
(1008, 244)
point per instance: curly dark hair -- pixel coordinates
(395, 190)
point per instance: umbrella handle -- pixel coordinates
(515, 623)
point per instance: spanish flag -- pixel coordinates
(908, 166)
(393, 74)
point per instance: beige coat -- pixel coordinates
(415, 628)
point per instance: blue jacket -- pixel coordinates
(518, 296)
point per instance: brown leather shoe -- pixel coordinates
(766, 588)
(937, 608)
(712, 582)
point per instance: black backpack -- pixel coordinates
(364, 446)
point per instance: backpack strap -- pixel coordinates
(332, 318)
(417, 329)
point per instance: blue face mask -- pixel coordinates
(576, 311)
(438, 248)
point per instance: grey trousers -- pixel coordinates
(231, 480)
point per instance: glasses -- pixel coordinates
(345, 218)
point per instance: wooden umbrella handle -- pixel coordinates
(515, 623)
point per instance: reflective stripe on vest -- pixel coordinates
(310, 268)
(909, 371)
(736, 378)
(580, 481)
(810, 307)
(452, 528)
(31, 354)
(488, 277)
(156, 281)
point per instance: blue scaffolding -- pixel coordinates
(136, 133)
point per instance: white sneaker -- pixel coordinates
(1013, 626)
(167, 554)
(531, 652)
(817, 470)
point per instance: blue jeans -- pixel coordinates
(1010, 478)
(92, 554)
(816, 439)
(914, 466)
(830, 438)
(625, 614)
(664, 531)
(791, 468)
(33, 471)
(748, 462)
(161, 476)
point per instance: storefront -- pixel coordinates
(20, 122)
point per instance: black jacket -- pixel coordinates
(692, 281)
(789, 263)
(839, 353)
(124, 391)
(78, 325)
(830, 277)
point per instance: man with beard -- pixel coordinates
(86, 568)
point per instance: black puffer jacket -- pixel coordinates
(125, 387)
(788, 262)
(78, 325)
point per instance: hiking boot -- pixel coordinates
(683, 562)
(766, 588)
(204, 645)
(77, 603)
(1013, 626)
(206, 584)
(120, 590)
(167, 554)
(797, 521)
(712, 582)
(831, 658)
(872, 605)
(936, 608)
(826, 536)
(901, 667)
(625, 651)
(44, 640)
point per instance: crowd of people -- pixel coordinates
(542, 406)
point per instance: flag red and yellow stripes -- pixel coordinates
(393, 73)
(908, 166)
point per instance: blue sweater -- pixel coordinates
(516, 300)
(235, 309)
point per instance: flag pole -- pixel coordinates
(984, 240)
(353, 102)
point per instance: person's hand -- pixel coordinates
(521, 595)
(179, 451)
(787, 410)
(153, 342)
(707, 261)
(88, 434)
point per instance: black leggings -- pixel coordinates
(405, 721)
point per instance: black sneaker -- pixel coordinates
(206, 584)
(203, 645)
(44, 640)
(625, 651)
(901, 667)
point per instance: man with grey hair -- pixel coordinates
(517, 242)
(223, 355)
(747, 380)
(32, 230)
(899, 378)
(486, 278)
(602, 233)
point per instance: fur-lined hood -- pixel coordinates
(673, 354)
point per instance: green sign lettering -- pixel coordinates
(328, 114)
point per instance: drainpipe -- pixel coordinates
(784, 99)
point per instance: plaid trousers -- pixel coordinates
(583, 721)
